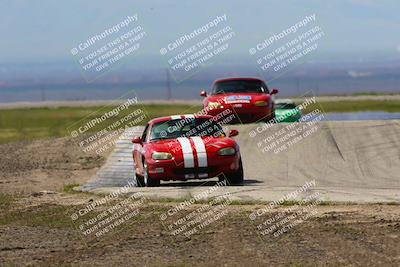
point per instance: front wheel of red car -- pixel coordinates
(236, 177)
(270, 117)
(146, 177)
(139, 180)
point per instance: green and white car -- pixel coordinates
(286, 111)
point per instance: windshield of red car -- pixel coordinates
(185, 128)
(239, 86)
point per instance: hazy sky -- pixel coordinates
(46, 30)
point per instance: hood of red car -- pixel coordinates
(173, 146)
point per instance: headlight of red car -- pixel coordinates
(212, 105)
(161, 156)
(261, 103)
(227, 151)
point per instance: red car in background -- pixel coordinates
(249, 98)
(184, 147)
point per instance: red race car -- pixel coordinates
(183, 147)
(249, 98)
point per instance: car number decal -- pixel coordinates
(238, 99)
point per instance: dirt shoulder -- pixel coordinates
(28, 167)
(37, 231)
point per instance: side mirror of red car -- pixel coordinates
(274, 91)
(233, 133)
(203, 93)
(137, 140)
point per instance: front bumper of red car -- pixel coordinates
(245, 113)
(172, 170)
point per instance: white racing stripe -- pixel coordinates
(175, 117)
(188, 158)
(201, 151)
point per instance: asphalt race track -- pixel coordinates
(350, 161)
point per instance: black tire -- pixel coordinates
(269, 118)
(147, 179)
(237, 177)
(139, 180)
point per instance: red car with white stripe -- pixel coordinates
(249, 98)
(184, 147)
